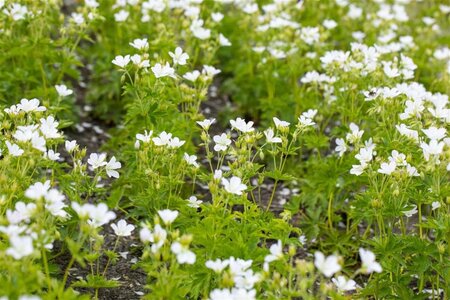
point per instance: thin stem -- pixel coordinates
(109, 258)
(47, 273)
(272, 195)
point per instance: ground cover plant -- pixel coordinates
(224, 149)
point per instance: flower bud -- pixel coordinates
(375, 203)
(441, 248)
(292, 250)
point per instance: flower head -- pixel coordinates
(222, 142)
(241, 125)
(369, 264)
(234, 185)
(179, 57)
(121, 61)
(184, 255)
(168, 216)
(112, 166)
(63, 91)
(20, 246)
(140, 44)
(122, 228)
(326, 265)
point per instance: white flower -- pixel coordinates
(194, 202)
(310, 35)
(12, 110)
(218, 174)
(179, 57)
(434, 133)
(54, 203)
(411, 212)
(63, 91)
(37, 190)
(16, 11)
(30, 105)
(217, 17)
(222, 142)
(184, 255)
(121, 61)
(52, 155)
(163, 139)
(369, 264)
(49, 128)
(112, 166)
(217, 265)
(146, 137)
(70, 145)
(305, 121)
(25, 133)
(122, 228)
(14, 149)
(327, 266)
(140, 44)
(435, 205)
(168, 216)
(22, 212)
(302, 239)
(91, 3)
(270, 136)
(99, 215)
(250, 8)
(210, 71)
(412, 171)
(157, 237)
(276, 252)
(20, 246)
(223, 41)
(398, 158)
(238, 266)
(121, 15)
(341, 147)
(137, 60)
(191, 160)
(343, 284)
(97, 160)
(433, 148)
(175, 143)
(365, 155)
(234, 185)
(246, 280)
(38, 142)
(358, 169)
(82, 210)
(192, 76)
(241, 125)
(77, 18)
(221, 294)
(163, 71)
(206, 123)
(387, 168)
(371, 94)
(279, 123)
(355, 134)
(404, 130)
(329, 24)
(199, 31)
(242, 293)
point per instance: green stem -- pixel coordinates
(109, 258)
(47, 273)
(330, 205)
(272, 195)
